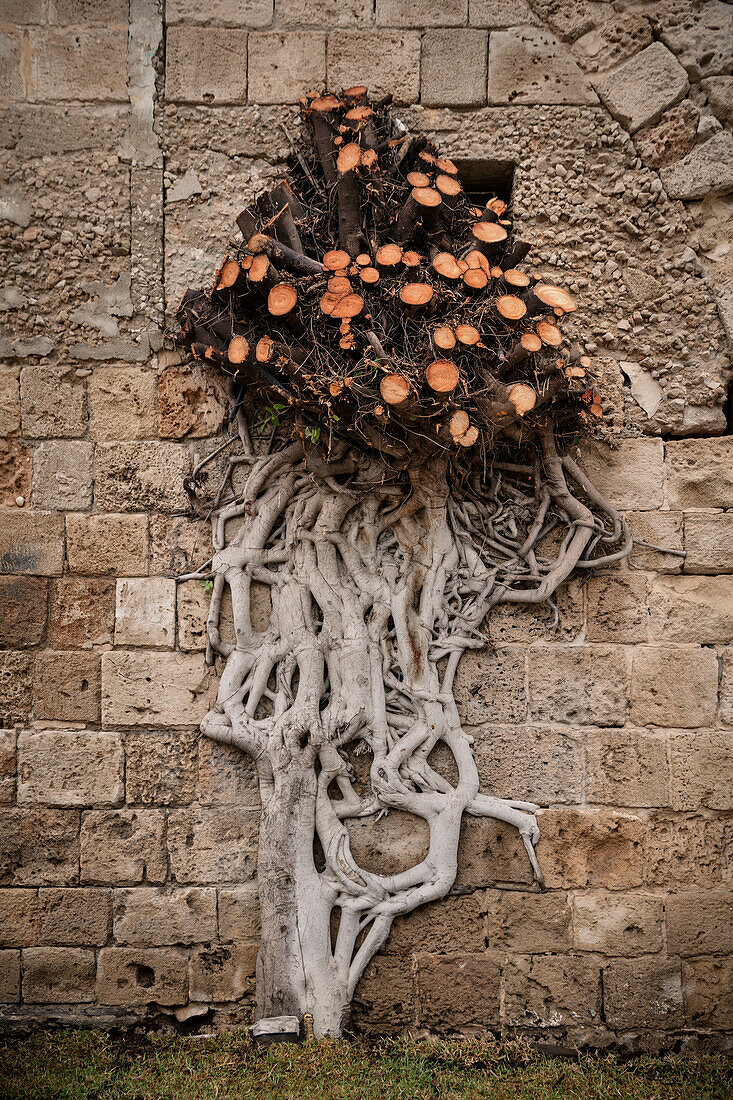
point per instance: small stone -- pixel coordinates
(707, 170)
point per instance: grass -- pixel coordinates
(88, 1065)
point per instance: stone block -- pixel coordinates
(189, 405)
(122, 403)
(489, 686)
(7, 767)
(638, 91)
(212, 845)
(491, 853)
(285, 65)
(192, 609)
(453, 924)
(700, 473)
(16, 678)
(70, 769)
(145, 688)
(82, 612)
(107, 544)
(626, 767)
(322, 13)
(12, 85)
(709, 542)
(238, 909)
(136, 976)
(18, 918)
(223, 13)
(669, 139)
(58, 975)
(719, 90)
(178, 544)
(9, 400)
(389, 845)
(612, 924)
(422, 13)
(137, 477)
(384, 999)
(206, 65)
(160, 767)
(513, 623)
(156, 916)
(9, 977)
(96, 12)
(581, 685)
(38, 846)
(529, 922)
(62, 475)
(457, 990)
(630, 476)
(569, 20)
(700, 924)
(700, 35)
(535, 763)
(530, 66)
(222, 972)
(31, 542)
(726, 687)
(23, 611)
(146, 612)
(53, 403)
(701, 764)
(551, 991)
(673, 686)
(226, 776)
(123, 846)
(617, 608)
(386, 61)
(453, 68)
(615, 40)
(643, 993)
(659, 529)
(591, 848)
(691, 609)
(685, 851)
(15, 474)
(499, 14)
(707, 985)
(66, 686)
(74, 918)
(81, 64)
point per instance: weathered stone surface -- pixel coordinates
(146, 688)
(643, 993)
(457, 990)
(70, 769)
(74, 918)
(23, 611)
(691, 609)
(75, 12)
(11, 78)
(702, 770)
(614, 41)
(658, 529)
(640, 89)
(491, 854)
(238, 910)
(82, 612)
(31, 542)
(707, 985)
(581, 848)
(551, 991)
(66, 686)
(16, 678)
(206, 65)
(146, 612)
(107, 544)
(212, 845)
(386, 61)
(629, 476)
(531, 623)
(671, 138)
(626, 767)
(498, 14)
(528, 922)
(726, 687)
(284, 66)
(18, 918)
(578, 685)
(384, 998)
(719, 90)
(53, 403)
(451, 924)
(700, 473)
(15, 474)
(673, 686)
(226, 776)
(160, 767)
(528, 65)
(7, 766)
(709, 542)
(422, 13)
(58, 975)
(130, 975)
(157, 916)
(700, 924)
(192, 609)
(453, 68)
(38, 845)
(178, 544)
(123, 846)
(135, 477)
(78, 64)
(9, 976)
(680, 852)
(188, 405)
(393, 843)
(222, 972)
(543, 762)
(9, 400)
(225, 13)
(489, 685)
(617, 608)
(706, 170)
(700, 34)
(122, 403)
(569, 20)
(618, 925)
(62, 475)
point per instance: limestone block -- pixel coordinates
(582, 848)
(9, 400)
(568, 19)
(31, 542)
(58, 975)
(12, 86)
(451, 924)
(96, 12)
(584, 685)
(638, 91)
(223, 972)
(680, 852)
(726, 687)
(16, 677)
(626, 767)
(528, 922)
(700, 924)
(707, 985)
(700, 473)
(709, 542)
(629, 476)
(146, 612)
(66, 686)
(192, 609)
(134, 975)
(238, 909)
(222, 13)
(614, 41)
(671, 138)
(212, 845)
(18, 917)
(386, 61)
(673, 686)
(7, 767)
(38, 845)
(322, 13)
(613, 924)
(78, 64)
(82, 612)
(107, 544)
(617, 608)
(394, 843)
(453, 68)
(719, 90)
(691, 609)
(158, 916)
(160, 767)
(145, 688)
(701, 35)
(491, 854)
(529, 65)
(9, 976)
(70, 769)
(706, 170)
(384, 999)
(74, 918)
(537, 763)
(658, 529)
(489, 686)
(62, 475)
(643, 993)
(422, 13)
(226, 776)
(527, 623)
(284, 66)
(178, 544)
(501, 13)
(53, 404)
(551, 991)
(122, 403)
(15, 474)
(457, 990)
(702, 770)
(23, 611)
(206, 65)
(123, 846)
(188, 405)
(137, 477)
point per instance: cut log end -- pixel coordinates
(426, 196)
(394, 389)
(336, 259)
(522, 397)
(555, 297)
(510, 307)
(442, 376)
(444, 337)
(238, 350)
(282, 299)
(489, 232)
(416, 294)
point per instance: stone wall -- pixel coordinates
(127, 841)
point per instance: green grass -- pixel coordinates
(86, 1065)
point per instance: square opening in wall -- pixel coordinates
(486, 179)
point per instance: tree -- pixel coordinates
(409, 383)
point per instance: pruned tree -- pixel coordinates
(413, 395)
